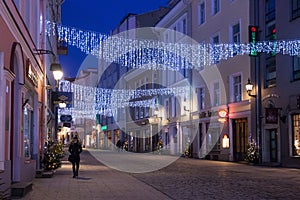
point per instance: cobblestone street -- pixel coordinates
(202, 179)
(183, 179)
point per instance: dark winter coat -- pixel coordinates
(75, 149)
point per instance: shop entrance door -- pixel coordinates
(273, 145)
(240, 138)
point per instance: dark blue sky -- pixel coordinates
(100, 16)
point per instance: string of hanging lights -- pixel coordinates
(175, 55)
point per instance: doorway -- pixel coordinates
(240, 138)
(273, 145)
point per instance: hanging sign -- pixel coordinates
(271, 115)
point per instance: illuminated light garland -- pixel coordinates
(146, 54)
(89, 101)
(109, 48)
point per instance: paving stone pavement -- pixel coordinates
(95, 182)
(183, 179)
(203, 179)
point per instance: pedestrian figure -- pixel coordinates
(75, 149)
(120, 145)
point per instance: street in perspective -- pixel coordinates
(149, 99)
(185, 178)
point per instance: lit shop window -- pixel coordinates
(296, 134)
(27, 133)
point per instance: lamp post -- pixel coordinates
(249, 88)
(57, 74)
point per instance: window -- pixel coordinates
(215, 53)
(201, 98)
(295, 9)
(236, 38)
(296, 135)
(216, 100)
(136, 111)
(237, 88)
(184, 26)
(270, 60)
(215, 6)
(270, 10)
(212, 141)
(27, 133)
(174, 107)
(296, 67)
(270, 71)
(167, 109)
(201, 13)
(142, 112)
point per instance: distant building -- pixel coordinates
(112, 77)
(86, 126)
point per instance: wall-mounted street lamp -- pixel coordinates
(57, 72)
(249, 87)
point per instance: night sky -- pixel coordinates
(100, 16)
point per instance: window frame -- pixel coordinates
(296, 72)
(201, 13)
(232, 88)
(200, 98)
(295, 152)
(295, 10)
(216, 7)
(216, 94)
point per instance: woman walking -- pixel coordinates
(75, 149)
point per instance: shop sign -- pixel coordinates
(271, 115)
(59, 97)
(66, 118)
(31, 74)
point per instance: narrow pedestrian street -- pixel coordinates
(183, 179)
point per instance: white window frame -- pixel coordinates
(200, 96)
(232, 97)
(215, 101)
(212, 42)
(213, 5)
(231, 32)
(200, 13)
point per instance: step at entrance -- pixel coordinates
(20, 189)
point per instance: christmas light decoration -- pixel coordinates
(89, 101)
(174, 55)
(150, 55)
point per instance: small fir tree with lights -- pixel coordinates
(251, 155)
(53, 152)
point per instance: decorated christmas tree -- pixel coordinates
(53, 152)
(252, 152)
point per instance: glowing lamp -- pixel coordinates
(225, 141)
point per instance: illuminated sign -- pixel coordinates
(223, 114)
(104, 128)
(225, 141)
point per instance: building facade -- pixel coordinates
(111, 76)
(22, 88)
(276, 78)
